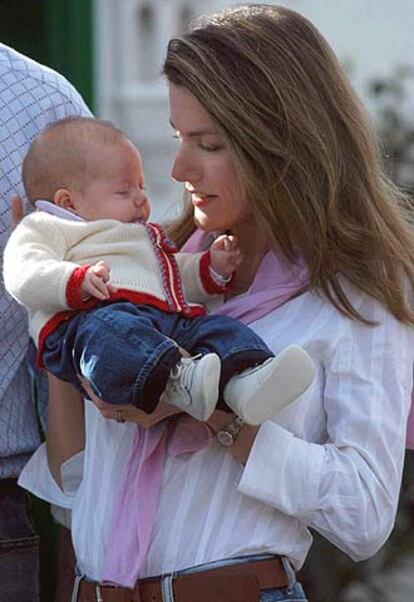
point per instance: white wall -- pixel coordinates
(130, 42)
(131, 35)
(375, 34)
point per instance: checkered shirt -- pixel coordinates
(31, 97)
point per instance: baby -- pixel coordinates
(109, 297)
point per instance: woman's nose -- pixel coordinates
(185, 167)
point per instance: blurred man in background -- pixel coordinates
(31, 97)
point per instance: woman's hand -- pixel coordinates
(242, 446)
(129, 413)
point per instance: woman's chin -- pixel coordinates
(205, 222)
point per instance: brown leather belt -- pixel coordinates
(232, 583)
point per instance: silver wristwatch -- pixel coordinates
(228, 434)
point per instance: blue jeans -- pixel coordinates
(295, 594)
(19, 546)
(127, 351)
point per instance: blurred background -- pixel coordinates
(112, 51)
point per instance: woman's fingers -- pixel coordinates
(129, 413)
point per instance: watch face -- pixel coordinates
(225, 438)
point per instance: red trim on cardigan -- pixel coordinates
(139, 298)
(73, 289)
(168, 282)
(168, 245)
(170, 273)
(178, 288)
(174, 283)
(211, 286)
(120, 295)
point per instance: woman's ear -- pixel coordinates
(64, 198)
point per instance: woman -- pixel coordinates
(274, 146)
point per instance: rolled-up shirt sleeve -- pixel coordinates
(346, 486)
(37, 478)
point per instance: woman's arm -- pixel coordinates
(240, 449)
(65, 435)
(347, 486)
(244, 442)
(129, 413)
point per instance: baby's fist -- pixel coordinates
(225, 255)
(96, 282)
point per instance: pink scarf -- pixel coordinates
(136, 503)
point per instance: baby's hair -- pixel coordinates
(62, 156)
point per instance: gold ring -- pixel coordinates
(118, 416)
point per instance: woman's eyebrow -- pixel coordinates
(201, 132)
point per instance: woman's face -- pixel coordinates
(204, 163)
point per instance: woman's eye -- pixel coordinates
(122, 192)
(210, 148)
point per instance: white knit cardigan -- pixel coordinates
(46, 258)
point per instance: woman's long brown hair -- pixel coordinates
(305, 152)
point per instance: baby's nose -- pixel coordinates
(140, 197)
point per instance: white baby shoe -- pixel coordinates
(193, 385)
(258, 393)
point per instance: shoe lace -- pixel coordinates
(181, 375)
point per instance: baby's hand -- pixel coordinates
(225, 255)
(96, 282)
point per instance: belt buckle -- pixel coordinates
(98, 593)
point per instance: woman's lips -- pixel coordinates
(198, 200)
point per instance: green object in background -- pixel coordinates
(21, 27)
(57, 33)
(69, 34)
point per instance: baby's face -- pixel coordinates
(117, 192)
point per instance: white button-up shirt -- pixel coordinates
(331, 461)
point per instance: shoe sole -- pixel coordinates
(206, 400)
(282, 380)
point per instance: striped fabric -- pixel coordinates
(163, 248)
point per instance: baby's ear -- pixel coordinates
(63, 198)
